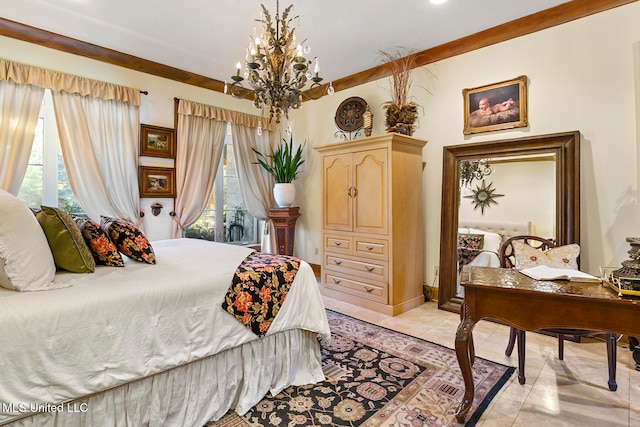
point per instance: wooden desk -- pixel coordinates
(513, 298)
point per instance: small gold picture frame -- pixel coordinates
(497, 106)
(157, 182)
(156, 141)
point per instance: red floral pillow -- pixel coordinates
(128, 239)
(470, 241)
(103, 249)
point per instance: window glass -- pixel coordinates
(32, 184)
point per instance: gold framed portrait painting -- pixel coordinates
(497, 106)
(156, 141)
(157, 182)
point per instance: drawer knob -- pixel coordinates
(369, 268)
(337, 261)
(369, 248)
(336, 281)
(338, 243)
(368, 289)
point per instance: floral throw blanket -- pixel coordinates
(259, 287)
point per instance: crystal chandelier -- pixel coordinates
(474, 169)
(276, 68)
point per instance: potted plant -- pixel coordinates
(401, 113)
(283, 164)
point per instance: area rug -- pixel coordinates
(377, 377)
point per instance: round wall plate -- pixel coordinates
(349, 115)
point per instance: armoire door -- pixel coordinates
(370, 201)
(337, 201)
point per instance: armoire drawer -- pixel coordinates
(372, 270)
(371, 248)
(338, 244)
(377, 292)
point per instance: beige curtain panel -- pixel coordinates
(98, 126)
(200, 137)
(19, 108)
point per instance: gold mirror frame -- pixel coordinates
(565, 147)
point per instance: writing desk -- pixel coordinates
(515, 299)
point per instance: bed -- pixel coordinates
(150, 344)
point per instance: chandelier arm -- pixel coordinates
(236, 90)
(316, 91)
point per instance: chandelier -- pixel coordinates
(474, 169)
(276, 68)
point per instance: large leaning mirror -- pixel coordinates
(529, 164)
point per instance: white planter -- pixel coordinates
(284, 194)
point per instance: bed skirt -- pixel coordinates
(198, 392)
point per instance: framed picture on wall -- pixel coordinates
(156, 141)
(157, 182)
(496, 106)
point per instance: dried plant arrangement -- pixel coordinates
(401, 112)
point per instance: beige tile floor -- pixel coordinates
(572, 392)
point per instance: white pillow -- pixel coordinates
(28, 263)
(492, 241)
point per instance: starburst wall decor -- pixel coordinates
(483, 196)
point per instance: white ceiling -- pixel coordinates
(208, 37)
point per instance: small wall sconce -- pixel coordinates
(156, 208)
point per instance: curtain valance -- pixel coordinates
(61, 82)
(191, 108)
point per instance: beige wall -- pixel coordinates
(526, 196)
(584, 75)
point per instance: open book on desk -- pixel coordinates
(542, 272)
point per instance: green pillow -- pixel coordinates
(70, 252)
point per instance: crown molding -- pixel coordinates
(558, 15)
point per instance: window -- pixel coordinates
(225, 207)
(45, 181)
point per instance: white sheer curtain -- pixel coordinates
(19, 108)
(200, 139)
(99, 141)
(255, 183)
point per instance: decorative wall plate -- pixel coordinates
(483, 196)
(349, 115)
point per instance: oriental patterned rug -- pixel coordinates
(377, 377)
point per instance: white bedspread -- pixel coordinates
(486, 259)
(121, 324)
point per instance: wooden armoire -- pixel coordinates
(372, 222)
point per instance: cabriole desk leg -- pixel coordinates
(466, 355)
